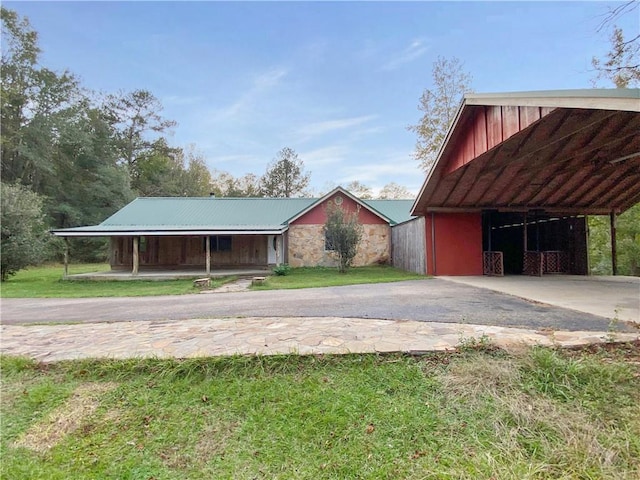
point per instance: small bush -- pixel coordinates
(282, 270)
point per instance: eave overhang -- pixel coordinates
(575, 152)
(135, 232)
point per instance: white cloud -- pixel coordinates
(312, 130)
(237, 159)
(261, 85)
(325, 156)
(395, 167)
(415, 50)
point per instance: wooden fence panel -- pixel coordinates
(408, 246)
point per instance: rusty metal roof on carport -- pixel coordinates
(582, 155)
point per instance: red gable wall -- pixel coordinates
(489, 126)
(317, 216)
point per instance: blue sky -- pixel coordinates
(339, 82)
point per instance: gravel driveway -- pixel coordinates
(429, 300)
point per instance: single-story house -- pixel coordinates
(517, 175)
(208, 233)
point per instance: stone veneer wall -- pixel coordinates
(306, 246)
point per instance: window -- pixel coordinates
(222, 243)
(328, 243)
(142, 247)
(219, 243)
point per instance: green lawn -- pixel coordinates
(307, 277)
(536, 415)
(46, 281)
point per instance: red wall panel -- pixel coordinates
(317, 215)
(458, 243)
(510, 122)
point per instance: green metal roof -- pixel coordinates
(179, 212)
(175, 215)
(398, 211)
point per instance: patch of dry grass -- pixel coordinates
(65, 419)
(552, 436)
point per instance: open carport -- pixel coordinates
(610, 297)
(519, 172)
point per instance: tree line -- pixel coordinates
(71, 156)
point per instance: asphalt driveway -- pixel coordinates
(429, 300)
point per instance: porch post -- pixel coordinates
(66, 257)
(525, 232)
(614, 252)
(208, 254)
(277, 237)
(135, 256)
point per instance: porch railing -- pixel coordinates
(556, 261)
(492, 264)
(533, 263)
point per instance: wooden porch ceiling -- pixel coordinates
(571, 160)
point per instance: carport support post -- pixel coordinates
(136, 260)
(525, 232)
(614, 252)
(208, 254)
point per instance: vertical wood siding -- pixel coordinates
(190, 251)
(490, 126)
(408, 246)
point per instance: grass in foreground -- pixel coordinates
(46, 281)
(536, 415)
(307, 277)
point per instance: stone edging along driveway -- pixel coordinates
(267, 336)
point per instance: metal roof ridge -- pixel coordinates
(570, 92)
(226, 198)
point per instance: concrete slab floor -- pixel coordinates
(606, 296)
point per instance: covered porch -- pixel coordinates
(171, 256)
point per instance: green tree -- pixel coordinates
(343, 232)
(24, 236)
(34, 102)
(223, 184)
(359, 189)
(621, 65)
(86, 184)
(158, 170)
(54, 140)
(440, 105)
(165, 171)
(136, 116)
(196, 177)
(394, 191)
(627, 243)
(285, 176)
